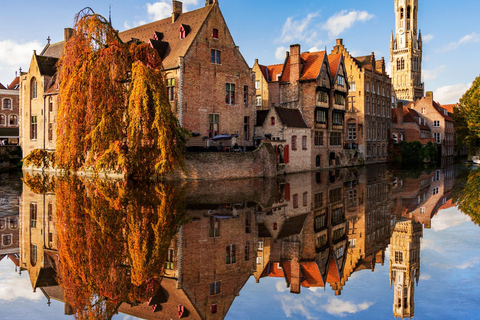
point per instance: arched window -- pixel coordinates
(7, 104)
(33, 88)
(13, 120)
(317, 161)
(3, 120)
(408, 12)
(401, 13)
(182, 32)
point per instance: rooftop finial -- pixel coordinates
(48, 40)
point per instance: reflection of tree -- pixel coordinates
(112, 242)
(467, 199)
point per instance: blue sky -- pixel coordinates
(265, 29)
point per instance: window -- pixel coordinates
(435, 191)
(50, 105)
(33, 88)
(352, 131)
(424, 111)
(305, 194)
(337, 119)
(436, 123)
(50, 131)
(245, 96)
(3, 120)
(352, 86)
(422, 210)
(335, 195)
(337, 234)
(171, 89)
(33, 128)
(13, 224)
(230, 93)
(367, 88)
(247, 251)
(272, 121)
(368, 106)
(339, 99)
(338, 215)
(182, 32)
(215, 56)
(258, 101)
(318, 138)
(213, 120)
(33, 215)
(398, 257)
(231, 252)
(318, 200)
(215, 287)
(215, 34)
(169, 261)
(438, 137)
(294, 142)
(3, 224)
(7, 104)
(257, 84)
(336, 139)
(322, 96)
(321, 241)
(341, 81)
(295, 201)
(304, 142)
(339, 252)
(260, 245)
(320, 221)
(214, 231)
(400, 64)
(246, 127)
(321, 116)
(214, 308)
(6, 239)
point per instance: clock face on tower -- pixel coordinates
(400, 31)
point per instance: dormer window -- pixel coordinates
(341, 81)
(215, 34)
(182, 32)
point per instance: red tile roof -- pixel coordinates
(274, 71)
(170, 33)
(312, 63)
(333, 275)
(14, 83)
(442, 111)
(449, 107)
(311, 275)
(334, 61)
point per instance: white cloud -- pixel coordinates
(341, 21)
(469, 38)
(280, 53)
(281, 286)
(339, 307)
(466, 265)
(13, 286)
(159, 10)
(15, 55)
(425, 277)
(294, 305)
(298, 29)
(433, 73)
(427, 38)
(451, 94)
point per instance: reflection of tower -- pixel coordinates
(405, 266)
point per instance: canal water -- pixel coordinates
(355, 243)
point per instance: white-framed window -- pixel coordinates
(352, 131)
(435, 191)
(341, 81)
(422, 210)
(230, 93)
(258, 101)
(7, 104)
(257, 84)
(13, 120)
(436, 123)
(260, 245)
(424, 110)
(259, 260)
(438, 137)
(352, 86)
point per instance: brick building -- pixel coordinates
(408, 125)
(440, 123)
(370, 97)
(210, 86)
(9, 113)
(266, 84)
(315, 84)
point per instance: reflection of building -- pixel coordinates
(9, 237)
(405, 266)
(9, 112)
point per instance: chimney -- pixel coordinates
(429, 95)
(295, 63)
(177, 10)
(295, 276)
(338, 48)
(339, 42)
(67, 33)
(399, 113)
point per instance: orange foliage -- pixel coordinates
(113, 109)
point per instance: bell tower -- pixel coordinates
(406, 52)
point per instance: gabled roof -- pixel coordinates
(311, 275)
(274, 71)
(54, 50)
(449, 107)
(333, 273)
(261, 116)
(2, 86)
(442, 111)
(46, 65)
(292, 118)
(409, 116)
(312, 64)
(334, 62)
(292, 226)
(170, 33)
(14, 84)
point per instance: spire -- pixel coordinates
(110, 14)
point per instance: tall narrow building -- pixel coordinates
(406, 52)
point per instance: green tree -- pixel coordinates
(467, 117)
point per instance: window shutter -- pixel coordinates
(287, 154)
(287, 192)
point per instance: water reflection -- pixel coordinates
(160, 251)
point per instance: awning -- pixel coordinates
(221, 137)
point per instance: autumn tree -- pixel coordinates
(113, 111)
(467, 117)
